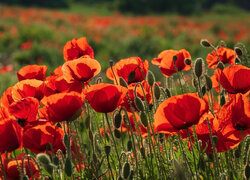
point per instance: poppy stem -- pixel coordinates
(195, 166)
(2, 167)
(114, 74)
(109, 166)
(112, 136)
(242, 154)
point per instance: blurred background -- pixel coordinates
(35, 31)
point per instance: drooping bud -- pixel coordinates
(129, 145)
(151, 78)
(139, 104)
(117, 120)
(157, 91)
(123, 82)
(117, 133)
(43, 158)
(68, 167)
(209, 84)
(188, 61)
(205, 43)
(144, 119)
(126, 170)
(131, 76)
(238, 51)
(175, 58)
(198, 67)
(107, 150)
(220, 65)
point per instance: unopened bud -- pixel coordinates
(139, 104)
(107, 150)
(151, 78)
(203, 90)
(188, 61)
(238, 51)
(209, 83)
(205, 43)
(43, 158)
(111, 63)
(118, 120)
(131, 76)
(144, 119)
(123, 82)
(129, 145)
(157, 91)
(126, 170)
(215, 139)
(222, 100)
(142, 150)
(168, 92)
(198, 67)
(220, 65)
(99, 80)
(68, 167)
(237, 60)
(175, 58)
(56, 160)
(117, 133)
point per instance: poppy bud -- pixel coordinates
(144, 119)
(205, 43)
(43, 158)
(126, 170)
(238, 51)
(237, 60)
(49, 168)
(203, 90)
(188, 61)
(208, 82)
(111, 63)
(151, 78)
(150, 107)
(215, 139)
(222, 100)
(142, 150)
(56, 160)
(129, 145)
(157, 91)
(117, 120)
(117, 133)
(247, 171)
(131, 76)
(198, 67)
(168, 92)
(175, 58)
(220, 65)
(68, 167)
(107, 150)
(139, 104)
(123, 82)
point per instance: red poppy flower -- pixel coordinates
(139, 93)
(104, 97)
(25, 110)
(6, 69)
(166, 63)
(26, 45)
(32, 72)
(237, 110)
(39, 134)
(6, 98)
(179, 112)
(28, 88)
(62, 107)
(11, 167)
(77, 48)
(10, 133)
(82, 69)
(125, 66)
(228, 137)
(226, 55)
(235, 79)
(4, 113)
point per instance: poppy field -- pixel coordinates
(75, 106)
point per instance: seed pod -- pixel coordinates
(131, 76)
(117, 133)
(203, 90)
(126, 170)
(68, 167)
(188, 61)
(123, 82)
(215, 139)
(220, 65)
(175, 58)
(144, 119)
(205, 43)
(117, 120)
(43, 158)
(107, 150)
(139, 104)
(151, 78)
(168, 92)
(157, 91)
(238, 51)
(209, 83)
(129, 145)
(198, 67)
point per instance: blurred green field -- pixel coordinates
(37, 36)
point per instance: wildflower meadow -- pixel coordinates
(75, 106)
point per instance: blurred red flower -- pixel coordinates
(77, 48)
(105, 97)
(6, 69)
(26, 45)
(179, 112)
(32, 72)
(166, 63)
(226, 55)
(125, 66)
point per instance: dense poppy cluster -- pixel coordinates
(35, 112)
